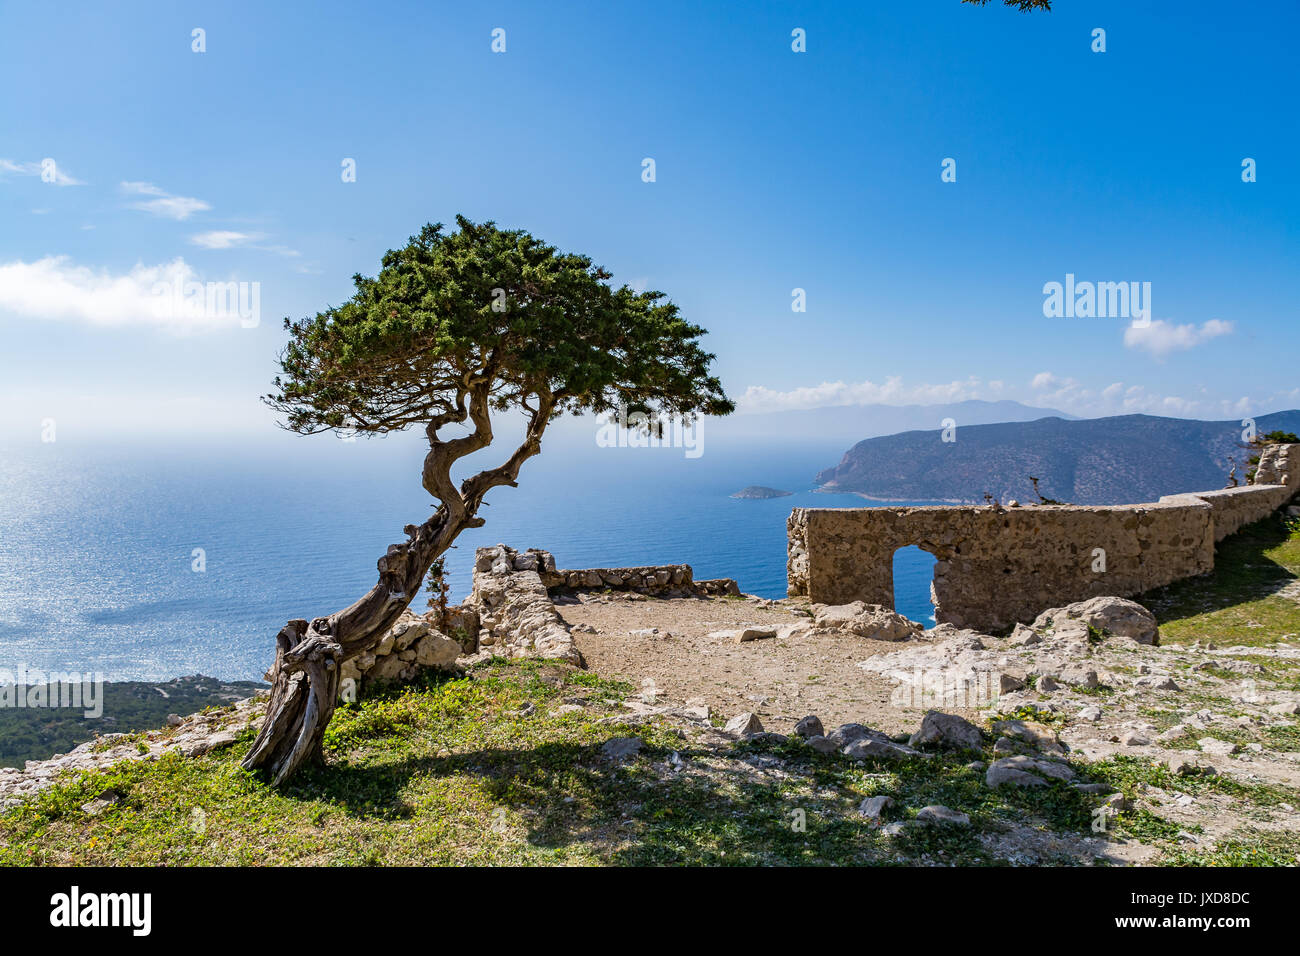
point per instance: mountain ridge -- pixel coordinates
(1095, 461)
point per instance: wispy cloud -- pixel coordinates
(1120, 398)
(53, 289)
(1046, 389)
(229, 239)
(1160, 337)
(892, 391)
(163, 203)
(222, 239)
(48, 169)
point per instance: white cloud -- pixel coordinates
(1118, 398)
(892, 391)
(169, 295)
(221, 239)
(164, 203)
(1046, 389)
(48, 167)
(228, 239)
(1160, 337)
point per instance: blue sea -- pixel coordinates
(99, 543)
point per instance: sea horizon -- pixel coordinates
(149, 560)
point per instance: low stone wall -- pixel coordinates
(662, 580)
(516, 615)
(413, 645)
(509, 613)
(998, 566)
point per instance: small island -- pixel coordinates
(758, 491)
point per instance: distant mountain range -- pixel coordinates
(1126, 458)
(850, 423)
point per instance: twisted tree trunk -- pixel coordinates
(308, 657)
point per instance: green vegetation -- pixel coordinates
(38, 733)
(492, 768)
(508, 765)
(1238, 602)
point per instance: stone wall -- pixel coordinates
(997, 566)
(661, 580)
(516, 615)
(412, 645)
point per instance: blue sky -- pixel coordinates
(775, 170)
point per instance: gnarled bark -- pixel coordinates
(308, 657)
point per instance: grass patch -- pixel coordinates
(1237, 602)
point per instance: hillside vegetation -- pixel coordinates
(530, 762)
(1098, 461)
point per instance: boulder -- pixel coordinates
(438, 651)
(407, 631)
(823, 745)
(744, 724)
(810, 726)
(1078, 675)
(946, 730)
(1115, 615)
(1036, 735)
(871, 621)
(869, 748)
(387, 668)
(1023, 636)
(1004, 773)
(873, 807)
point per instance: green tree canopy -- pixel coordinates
(486, 306)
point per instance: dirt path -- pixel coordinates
(781, 680)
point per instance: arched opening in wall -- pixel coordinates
(913, 573)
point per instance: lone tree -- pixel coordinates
(457, 326)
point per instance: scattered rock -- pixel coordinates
(947, 730)
(108, 798)
(1009, 683)
(1220, 748)
(1024, 637)
(1005, 772)
(1115, 615)
(744, 724)
(823, 745)
(871, 621)
(810, 726)
(870, 747)
(938, 813)
(873, 807)
(1030, 732)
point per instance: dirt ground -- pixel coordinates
(781, 680)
